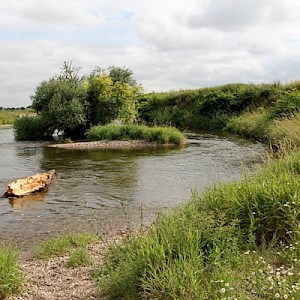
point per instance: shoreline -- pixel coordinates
(51, 278)
(116, 144)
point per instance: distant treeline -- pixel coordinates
(15, 108)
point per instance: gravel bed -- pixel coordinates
(135, 144)
(51, 279)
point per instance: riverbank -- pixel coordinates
(235, 241)
(53, 278)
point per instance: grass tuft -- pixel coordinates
(11, 276)
(79, 258)
(63, 245)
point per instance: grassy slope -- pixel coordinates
(236, 241)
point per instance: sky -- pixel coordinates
(168, 44)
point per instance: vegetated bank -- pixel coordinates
(234, 241)
(265, 112)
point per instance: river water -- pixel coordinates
(109, 190)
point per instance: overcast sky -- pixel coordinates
(169, 44)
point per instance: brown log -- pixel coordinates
(29, 185)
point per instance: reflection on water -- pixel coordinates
(94, 187)
(27, 201)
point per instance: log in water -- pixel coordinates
(29, 185)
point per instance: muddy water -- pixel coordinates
(101, 190)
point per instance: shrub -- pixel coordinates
(11, 276)
(30, 128)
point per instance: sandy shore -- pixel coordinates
(136, 144)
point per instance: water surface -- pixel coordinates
(108, 190)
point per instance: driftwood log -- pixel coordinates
(29, 185)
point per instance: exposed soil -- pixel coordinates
(52, 279)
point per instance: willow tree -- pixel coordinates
(61, 102)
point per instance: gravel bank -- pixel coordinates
(110, 145)
(51, 279)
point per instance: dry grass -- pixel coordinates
(285, 129)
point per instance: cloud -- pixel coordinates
(170, 45)
(236, 15)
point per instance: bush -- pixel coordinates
(162, 135)
(30, 128)
(11, 276)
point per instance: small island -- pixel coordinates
(130, 136)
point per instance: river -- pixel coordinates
(102, 190)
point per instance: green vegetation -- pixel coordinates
(157, 134)
(235, 241)
(79, 258)
(262, 125)
(63, 245)
(8, 116)
(28, 128)
(72, 104)
(11, 277)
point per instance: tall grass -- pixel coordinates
(11, 277)
(235, 241)
(285, 129)
(157, 134)
(261, 125)
(249, 124)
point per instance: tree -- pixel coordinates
(112, 96)
(62, 102)
(122, 75)
(72, 103)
